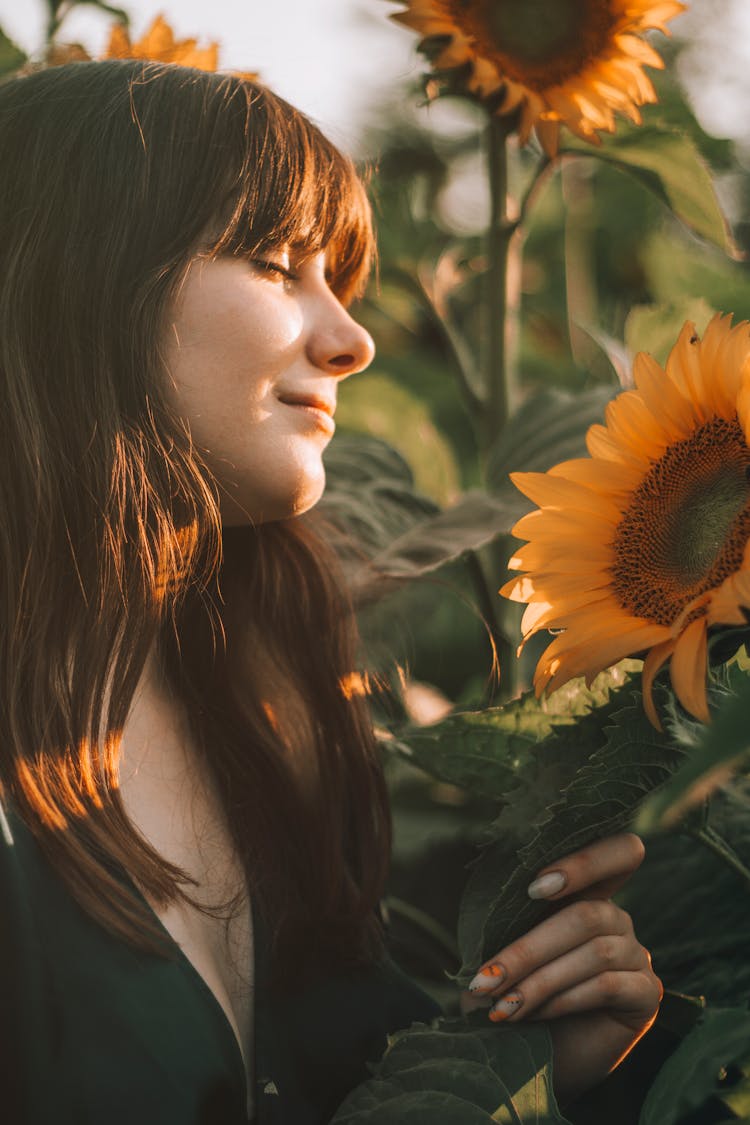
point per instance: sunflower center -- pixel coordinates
(540, 43)
(687, 524)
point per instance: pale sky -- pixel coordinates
(334, 58)
(330, 58)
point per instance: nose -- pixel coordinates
(339, 345)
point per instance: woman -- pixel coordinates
(195, 828)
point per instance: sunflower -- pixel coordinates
(645, 545)
(160, 45)
(571, 62)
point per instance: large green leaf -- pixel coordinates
(477, 519)
(382, 406)
(550, 427)
(615, 759)
(692, 911)
(11, 56)
(370, 491)
(668, 163)
(690, 1076)
(489, 752)
(459, 1072)
(371, 495)
(717, 748)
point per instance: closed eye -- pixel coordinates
(273, 269)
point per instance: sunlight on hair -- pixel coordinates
(60, 793)
(355, 684)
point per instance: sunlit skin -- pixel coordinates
(252, 346)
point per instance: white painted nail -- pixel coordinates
(547, 885)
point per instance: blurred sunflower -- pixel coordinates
(571, 62)
(643, 546)
(160, 45)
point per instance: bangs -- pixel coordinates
(297, 190)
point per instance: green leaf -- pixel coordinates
(550, 427)
(718, 748)
(489, 752)
(690, 1076)
(459, 1072)
(11, 56)
(371, 496)
(381, 406)
(668, 163)
(370, 491)
(697, 933)
(616, 759)
(655, 328)
(478, 750)
(474, 521)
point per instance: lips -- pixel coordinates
(316, 401)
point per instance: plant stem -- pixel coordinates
(541, 174)
(457, 345)
(494, 298)
(57, 12)
(488, 604)
(716, 844)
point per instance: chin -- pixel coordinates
(281, 505)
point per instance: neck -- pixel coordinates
(155, 736)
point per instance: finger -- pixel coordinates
(598, 870)
(634, 996)
(572, 926)
(602, 956)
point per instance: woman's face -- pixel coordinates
(256, 350)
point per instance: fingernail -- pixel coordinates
(488, 977)
(547, 885)
(505, 1007)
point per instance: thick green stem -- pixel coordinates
(716, 844)
(494, 300)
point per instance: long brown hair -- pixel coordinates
(114, 175)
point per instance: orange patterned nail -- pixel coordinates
(487, 978)
(505, 1007)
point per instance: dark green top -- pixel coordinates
(93, 1032)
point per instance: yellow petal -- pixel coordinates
(632, 425)
(564, 612)
(537, 556)
(688, 669)
(601, 444)
(558, 664)
(612, 477)
(562, 533)
(551, 586)
(653, 662)
(661, 395)
(684, 369)
(551, 491)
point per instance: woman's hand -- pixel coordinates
(582, 968)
